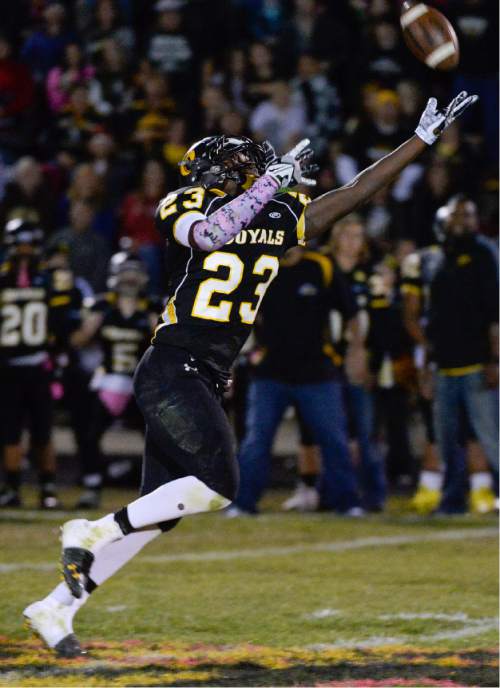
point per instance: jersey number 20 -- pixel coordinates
(202, 308)
(23, 324)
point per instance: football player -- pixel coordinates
(121, 322)
(226, 230)
(33, 314)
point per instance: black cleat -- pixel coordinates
(76, 563)
(69, 647)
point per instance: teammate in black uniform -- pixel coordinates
(225, 233)
(33, 313)
(121, 322)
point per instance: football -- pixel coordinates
(429, 36)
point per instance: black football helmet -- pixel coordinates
(127, 273)
(216, 159)
(19, 234)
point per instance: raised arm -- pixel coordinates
(323, 211)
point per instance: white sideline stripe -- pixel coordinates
(414, 13)
(473, 627)
(342, 546)
(444, 51)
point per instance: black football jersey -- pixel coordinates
(123, 340)
(214, 297)
(35, 316)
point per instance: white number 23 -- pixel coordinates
(202, 308)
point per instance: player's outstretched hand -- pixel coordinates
(289, 170)
(433, 121)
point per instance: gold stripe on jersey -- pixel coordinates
(465, 370)
(301, 224)
(379, 303)
(169, 316)
(171, 312)
(411, 289)
(325, 264)
(59, 301)
(218, 192)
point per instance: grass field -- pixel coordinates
(276, 600)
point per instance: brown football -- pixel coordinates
(429, 36)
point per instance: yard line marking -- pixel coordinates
(473, 627)
(341, 546)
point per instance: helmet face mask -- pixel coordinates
(218, 159)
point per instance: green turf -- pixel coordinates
(434, 600)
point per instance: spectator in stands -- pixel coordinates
(373, 139)
(106, 26)
(149, 118)
(260, 76)
(279, 120)
(232, 123)
(175, 147)
(321, 100)
(110, 90)
(44, 48)
(460, 282)
(476, 23)
(114, 171)
(137, 221)
(88, 252)
(28, 197)
(214, 106)
(430, 194)
(349, 248)
(78, 121)
(170, 47)
(385, 59)
(235, 79)
(16, 101)
(87, 185)
(62, 78)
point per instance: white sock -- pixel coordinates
(432, 480)
(113, 556)
(61, 594)
(107, 561)
(181, 497)
(481, 480)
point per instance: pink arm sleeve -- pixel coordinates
(228, 221)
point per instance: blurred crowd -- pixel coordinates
(99, 100)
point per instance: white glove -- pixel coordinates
(288, 170)
(433, 122)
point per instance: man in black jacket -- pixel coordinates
(458, 282)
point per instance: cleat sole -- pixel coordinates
(76, 563)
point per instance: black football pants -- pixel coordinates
(187, 431)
